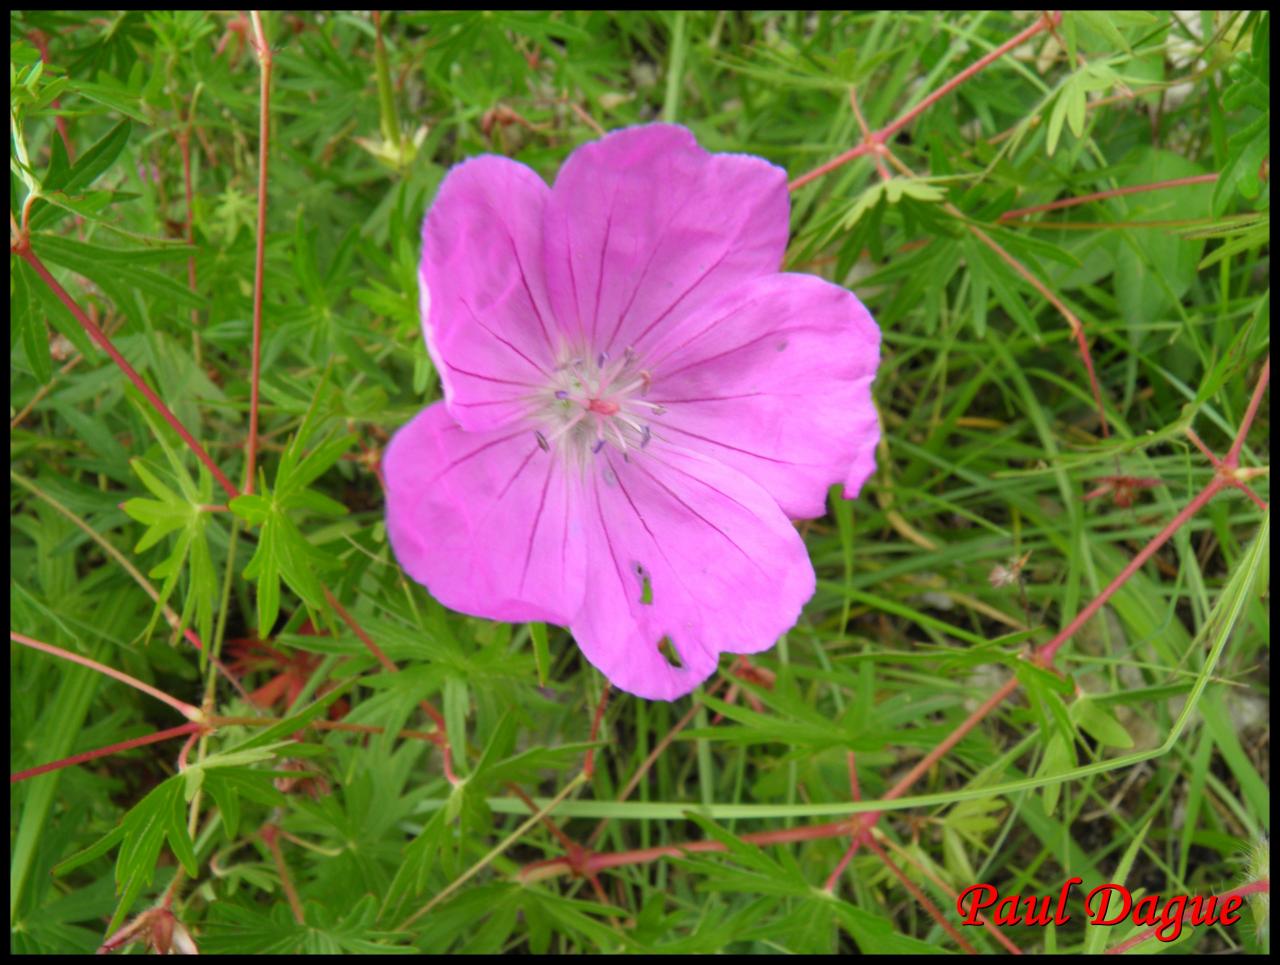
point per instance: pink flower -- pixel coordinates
(635, 401)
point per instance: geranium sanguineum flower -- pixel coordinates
(636, 404)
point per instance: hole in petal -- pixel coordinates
(646, 588)
(669, 653)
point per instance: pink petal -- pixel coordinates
(727, 570)
(644, 226)
(485, 311)
(774, 379)
(487, 521)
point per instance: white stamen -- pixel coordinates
(594, 400)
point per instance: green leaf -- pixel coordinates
(59, 169)
(1246, 150)
(115, 98)
(95, 850)
(253, 508)
(159, 816)
(1102, 23)
(541, 652)
(1058, 115)
(264, 568)
(275, 735)
(1096, 720)
(1002, 280)
(315, 464)
(29, 324)
(1059, 756)
(1076, 103)
(876, 933)
(95, 161)
(110, 267)
(64, 183)
(1095, 938)
(314, 501)
(867, 200)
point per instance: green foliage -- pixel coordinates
(314, 813)
(283, 552)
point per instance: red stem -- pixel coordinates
(855, 791)
(860, 825)
(892, 128)
(867, 136)
(837, 161)
(41, 42)
(589, 761)
(264, 143)
(1261, 886)
(652, 757)
(1047, 652)
(601, 862)
(1077, 329)
(914, 890)
(162, 735)
(442, 737)
(1232, 460)
(271, 835)
(1046, 21)
(1103, 195)
(186, 710)
(186, 749)
(24, 251)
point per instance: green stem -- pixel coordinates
(675, 71)
(388, 118)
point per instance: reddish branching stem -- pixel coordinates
(442, 733)
(1260, 887)
(855, 792)
(271, 836)
(1104, 195)
(181, 706)
(925, 871)
(186, 750)
(589, 761)
(881, 152)
(921, 898)
(41, 42)
(1046, 21)
(651, 759)
(870, 141)
(1232, 458)
(1046, 653)
(163, 735)
(1077, 330)
(23, 250)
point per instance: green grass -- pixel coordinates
(1142, 757)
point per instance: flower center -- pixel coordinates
(594, 401)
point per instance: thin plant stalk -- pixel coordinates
(25, 252)
(186, 710)
(116, 748)
(264, 146)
